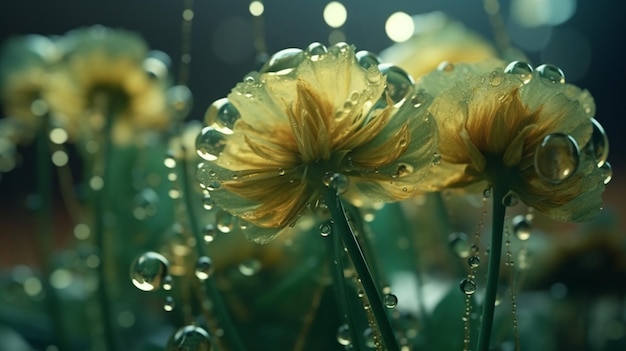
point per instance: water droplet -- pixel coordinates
(190, 338)
(459, 244)
(468, 286)
(522, 70)
(598, 145)
(208, 203)
(496, 78)
(418, 99)
(209, 233)
(325, 228)
(373, 75)
(283, 62)
(390, 300)
(366, 59)
(436, 158)
(146, 204)
(607, 172)
(168, 283)
(340, 183)
(281, 171)
(473, 261)
(148, 271)
(223, 113)
(368, 335)
(210, 143)
(169, 304)
(445, 66)
(316, 51)
(225, 222)
(399, 83)
(343, 335)
(557, 157)
(179, 97)
(510, 199)
(204, 268)
(521, 227)
(250, 267)
(550, 73)
(487, 192)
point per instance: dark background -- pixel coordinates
(223, 52)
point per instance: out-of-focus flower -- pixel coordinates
(520, 127)
(25, 65)
(309, 119)
(437, 38)
(109, 73)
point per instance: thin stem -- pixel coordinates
(230, 331)
(493, 267)
(45, 232)
(342, 225)
(335, 249)
(99, 234)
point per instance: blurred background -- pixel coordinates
(584, 38)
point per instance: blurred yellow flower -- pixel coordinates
(437, 39)
(109, 73)
(310, 119)
(524, 128)
(25, 65)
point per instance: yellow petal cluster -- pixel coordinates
(308, 119)
(524, 128)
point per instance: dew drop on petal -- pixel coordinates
(190, 338)
(343, 335)
(210, 143)
(390, 301)
(557, 157)
(250, 267)
(325, 228)
(496, 78)
(445, 66)
(418, 99)
(468, 286)
(487, 192)
(599, 143)
(551, 74)
(223, 113)
(366, 59)
(148, 271)
(521, 227)
(459, 244)
(204, 268)
(316, 51)
(510, 199)
(399, 83)
(473, 261)
(607, 172)
(208, 203)
(283, 62)
(522, 70)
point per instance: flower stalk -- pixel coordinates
(493, 266)
(350, 241)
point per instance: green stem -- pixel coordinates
(230, 331)
(493, 267)
(342, 225)
(110, 341)
(45, 232)
(335, 250)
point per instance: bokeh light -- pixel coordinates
(399, 27)
(335, 14)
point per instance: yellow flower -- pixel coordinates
(524, 128)
(437, 39)
(109, 74)
(25, 66)
(309, 119)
